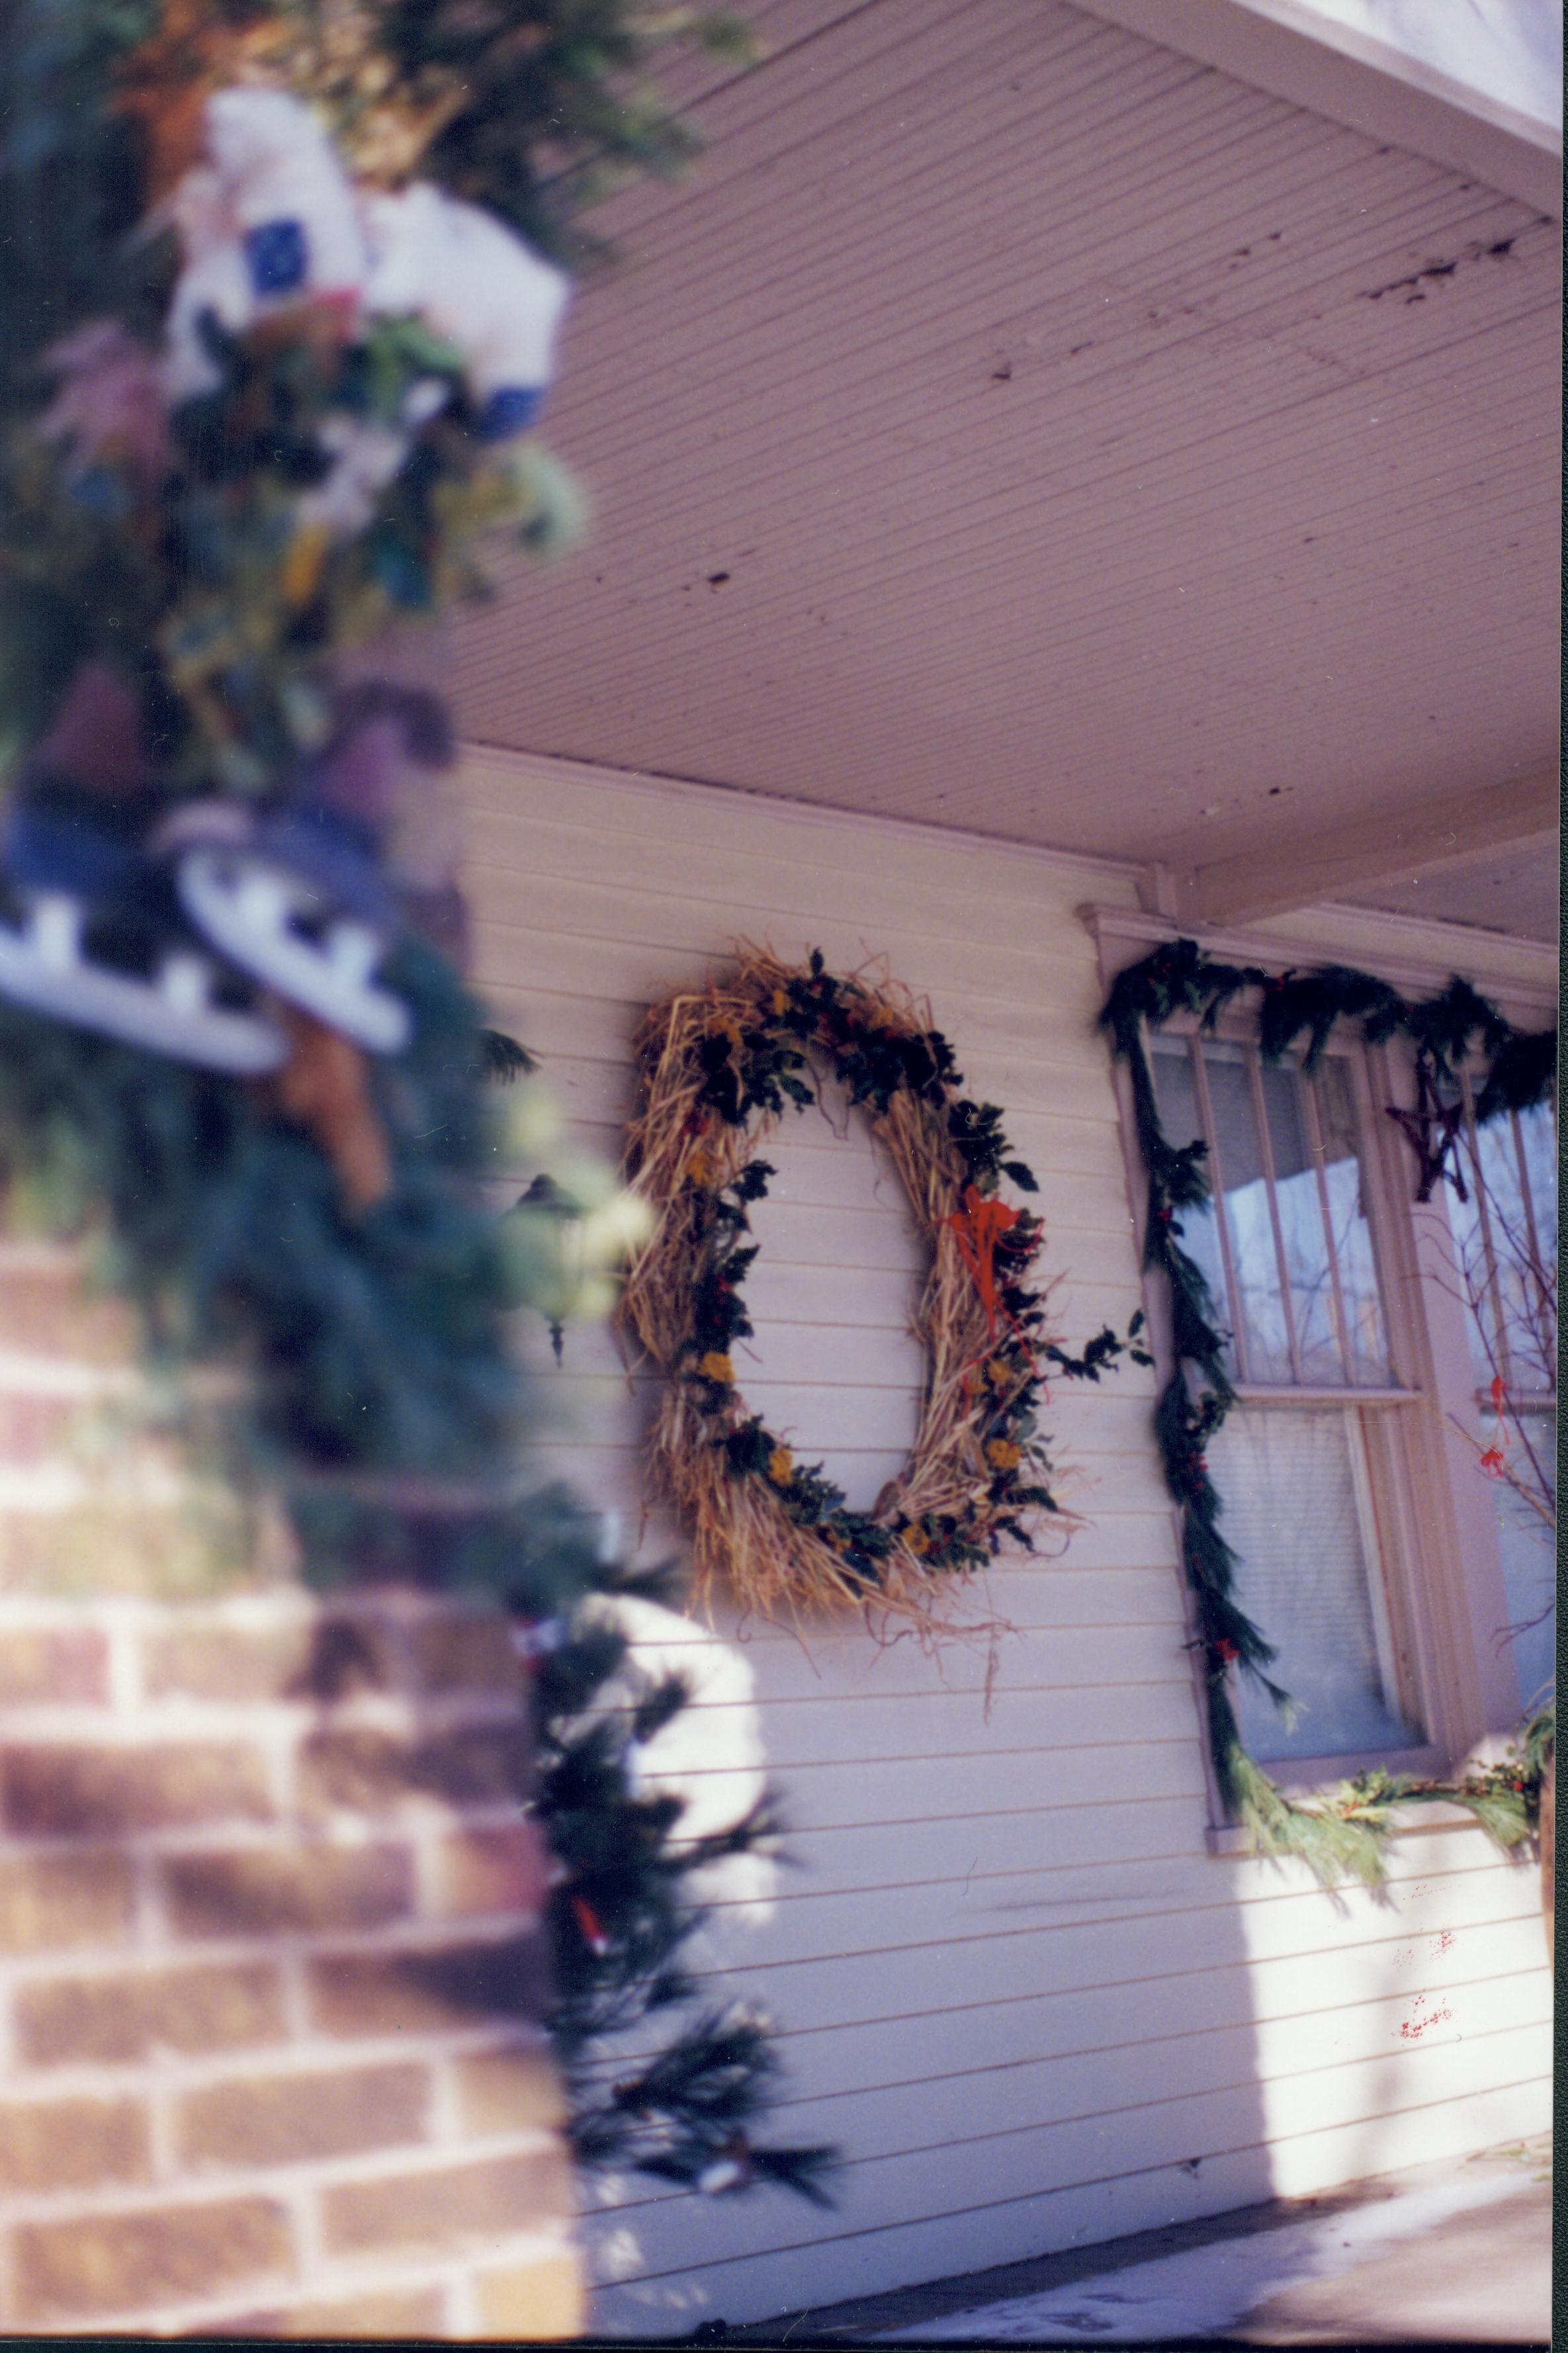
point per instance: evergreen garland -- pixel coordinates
(331, 1241)
(165, 548)
(1346, 1828)
(622, 1917)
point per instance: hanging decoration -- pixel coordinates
(661, 2077)
(718, 1068)
(1345, 1829)
(278, 298)
(1432, 1132)
(279, 292)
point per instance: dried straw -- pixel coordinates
(679, 1150)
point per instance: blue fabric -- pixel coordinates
(277, 253)
(510, 408)
(333, 852)
(51, 850)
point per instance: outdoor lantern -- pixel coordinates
(561, 1222)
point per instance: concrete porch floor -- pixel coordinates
(1455, 2253)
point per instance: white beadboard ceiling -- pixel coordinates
(1012, 424)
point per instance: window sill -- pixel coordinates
(1231, 1840)
(1288, 1393)
(1313, 1777)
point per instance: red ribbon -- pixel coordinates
(979, 1227)
(1492, 1462)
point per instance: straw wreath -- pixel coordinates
(719, 1066)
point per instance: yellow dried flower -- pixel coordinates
(730, 1027)
(302, 564)
(916, 1540)
(997, 1374)
(1002, 1454)
(781, 1466)
(715, 1366)
(699, 1169)
(781, 1000)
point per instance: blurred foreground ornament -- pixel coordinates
(90, 930)
(475, 284)
(298, 902)
(268, 219)
(322, 1088)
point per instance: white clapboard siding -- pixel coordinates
(1008, 1981)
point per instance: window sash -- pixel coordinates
(1495, 1326)
(1306, 1522)
(1268, 1278)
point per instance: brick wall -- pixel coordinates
(268, 1942)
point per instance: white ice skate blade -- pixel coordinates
(248, 909)
(42, 966)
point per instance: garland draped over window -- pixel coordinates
(1345, 1829)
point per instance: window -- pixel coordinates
(1505, 1237)
(1307, 1464)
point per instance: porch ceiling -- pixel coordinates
(1012, 423)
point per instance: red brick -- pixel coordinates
(426, 1992)
(44, 1665)
(509, 2091)
(46, 1312)
(383, 2313)
(79, 2143)
(374, 1772)
(262, 1891)
(35, 1427)
(447, 2209)
(97, 2266)
(62, 1790)
(529, 2303)
(120, 1546)
(466, 1651)
(53, 1902)
(492, 1871)
(115, 2021)
(308, 1657)
(284, 2119)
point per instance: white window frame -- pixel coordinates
(1436, 1529)
(1378, 1464)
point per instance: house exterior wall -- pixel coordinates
(271, 1970)
(1012, 1984)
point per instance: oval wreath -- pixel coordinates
(717, 1069)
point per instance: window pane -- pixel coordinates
(1511, 1295)
(1368, 1333)
(1176, 1094)
(1476, 1286)
(1537, 1141)
(1525, 1243)
(1519, 1303)
(1262, 1305)
(1301, 1227)
(1293, 1515)
(1527, 1542)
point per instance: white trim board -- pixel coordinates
(695, 793)
(1420, 945)
(1295, 52)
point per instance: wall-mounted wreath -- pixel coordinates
(719, 1067)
